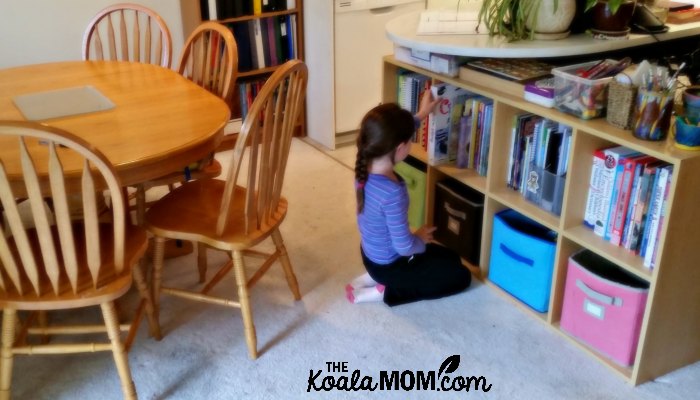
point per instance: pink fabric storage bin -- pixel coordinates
(604, 306)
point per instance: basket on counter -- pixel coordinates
(621, 100)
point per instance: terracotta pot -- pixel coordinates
(604, 20)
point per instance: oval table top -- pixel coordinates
(161, 121)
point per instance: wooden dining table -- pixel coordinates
(160, 121)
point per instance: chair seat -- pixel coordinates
(87, 294)
(179, 215)
(211, 170)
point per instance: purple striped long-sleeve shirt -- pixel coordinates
(383, 223)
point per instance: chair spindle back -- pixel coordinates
(210, 59)
(36, 240)
(128, 32)
(266, 135)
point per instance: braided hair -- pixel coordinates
(382, 129)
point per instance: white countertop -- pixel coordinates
(402, 31)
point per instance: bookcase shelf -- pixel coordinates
(259, 74)
(668, 336)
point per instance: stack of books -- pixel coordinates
(627, 200)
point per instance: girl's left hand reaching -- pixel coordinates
(425, 233)
(427, 103)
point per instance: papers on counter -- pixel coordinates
(448, 22)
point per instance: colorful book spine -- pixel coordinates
(634, 198)
(594, 203)
(609, 178)
(660, 194)
(629, 166)
(654, 207)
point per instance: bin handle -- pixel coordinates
(605, 299)
(517, 257)
(455, 213)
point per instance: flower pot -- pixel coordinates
(551, 24)
(604, 20)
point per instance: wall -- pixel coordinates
(37, 31)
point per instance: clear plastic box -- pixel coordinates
(582, 97)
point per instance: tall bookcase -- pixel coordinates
(284, 15)
(671, 323)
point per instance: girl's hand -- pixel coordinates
(425, 233)
(427, 103)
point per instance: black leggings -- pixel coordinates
(436, 273)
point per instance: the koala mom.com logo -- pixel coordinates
(336, 376)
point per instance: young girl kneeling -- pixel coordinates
(402, 266)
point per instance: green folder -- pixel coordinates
(415, 183)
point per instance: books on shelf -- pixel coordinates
(264, 42)
(608, 181)
(539, 160)
(626, 200)
(440, 124)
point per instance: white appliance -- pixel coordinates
(344, 48)
(360, 44)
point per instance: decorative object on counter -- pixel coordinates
(691, 102)
(653, 114)
(686, 133)
(655, 103)
(552, 19)
(622, 95)
(610, 18)
(527, 19)
(621, 100)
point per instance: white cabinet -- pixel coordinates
(345, 43)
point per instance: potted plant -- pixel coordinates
(527, 19)
(610, 17)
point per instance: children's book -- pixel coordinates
(439, 124)
(609, 182)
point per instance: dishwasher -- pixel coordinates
(360, 44)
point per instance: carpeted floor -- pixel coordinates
(204, 356)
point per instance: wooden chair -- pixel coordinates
(237, 214)
(209, 59)
(64, 264)
(130, 32)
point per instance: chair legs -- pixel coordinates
(8, 337)
(140, 280)
(158, 250)
(286, 264)
(120, 359)
(244, 300)
(202, 261)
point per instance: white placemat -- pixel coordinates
(62, 102)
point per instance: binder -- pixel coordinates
(241, 34)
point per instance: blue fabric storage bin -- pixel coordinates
(522, 258)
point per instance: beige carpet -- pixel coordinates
(203, 355)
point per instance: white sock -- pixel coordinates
(361, 281)
(366, 295)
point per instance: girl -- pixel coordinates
(402, 266)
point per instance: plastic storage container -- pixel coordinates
(413, 173)
(573, 94)
(603, 306)
(522, 258)
(458, 215)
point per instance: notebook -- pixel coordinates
(61, 103)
